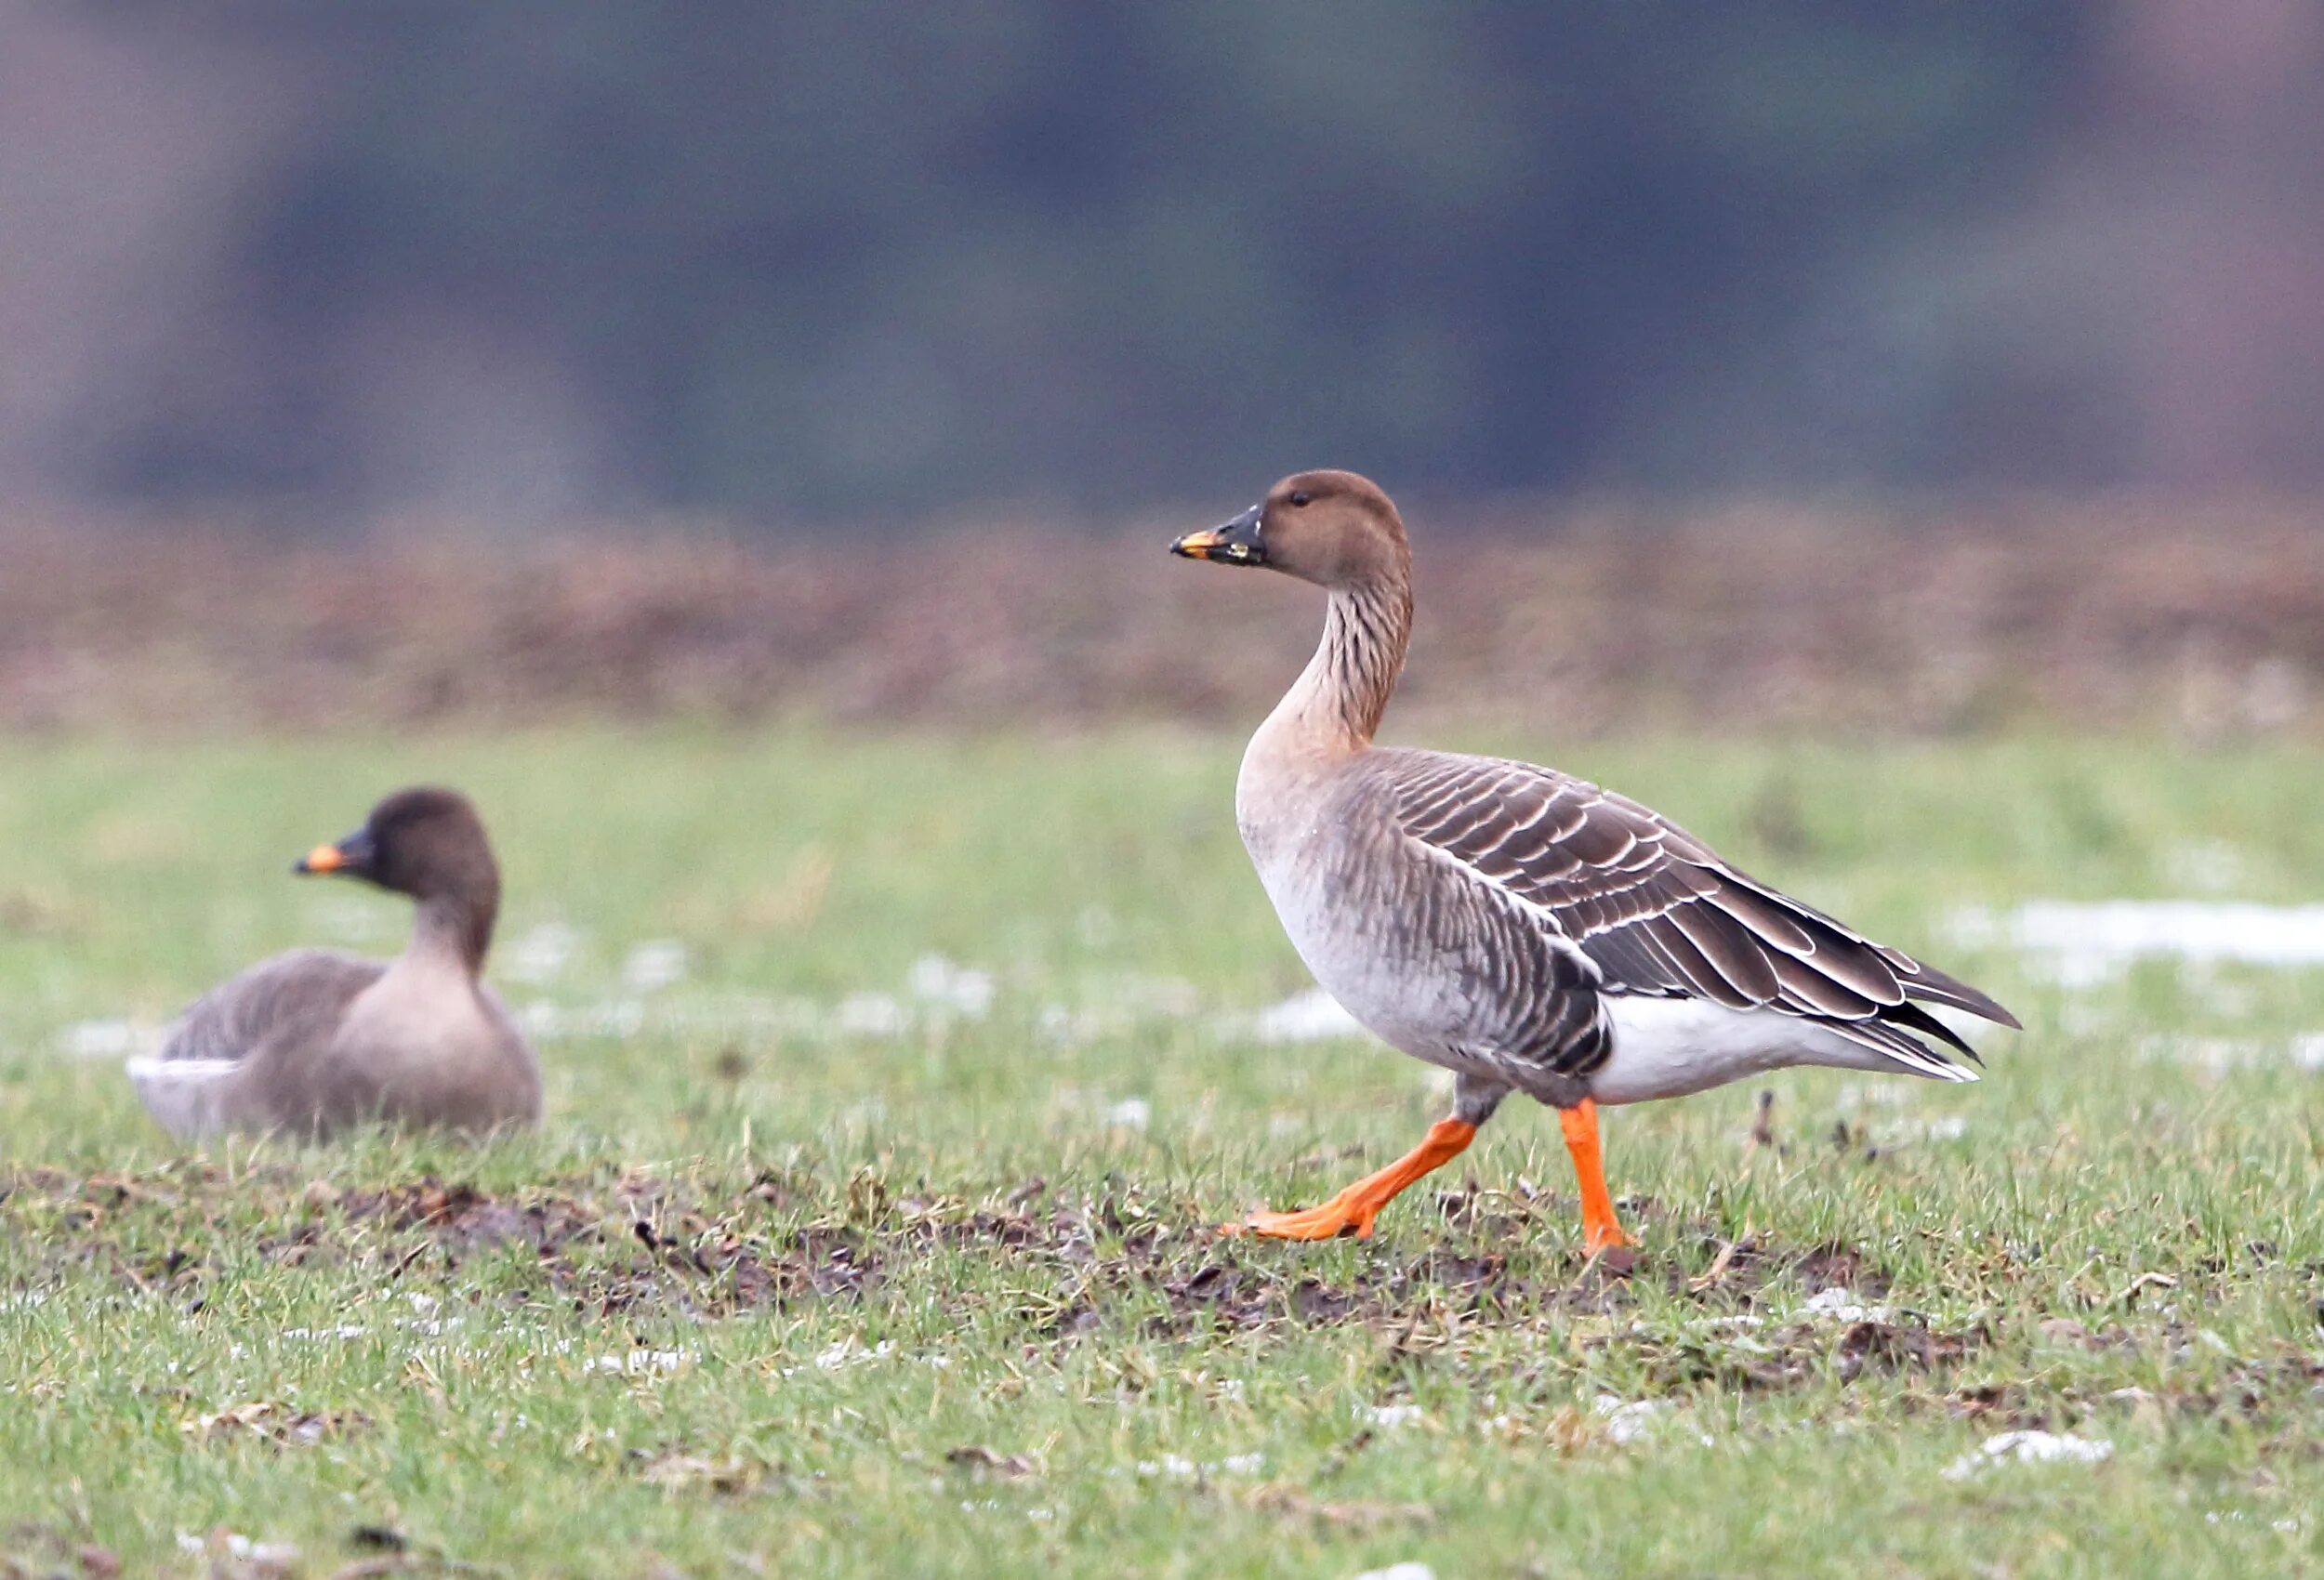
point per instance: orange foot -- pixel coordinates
(1606, 1236)
(1341, 1215)
(1354, 1209)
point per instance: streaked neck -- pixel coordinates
(1335, 704)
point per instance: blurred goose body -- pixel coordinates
(1526, 929)
(313, 1041)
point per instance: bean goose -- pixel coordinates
(313, 1041)
(1526, 929)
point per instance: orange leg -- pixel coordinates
(1599, 1229)
(1351, 1211)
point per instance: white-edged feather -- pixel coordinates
(188, 1095)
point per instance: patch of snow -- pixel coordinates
(960, 988)
(344, 1332)
(1409, 1569)
(655, 965)
(426, 1328)
(539, 954)
(2084, 944)
(1056, 1023)
(618, 1019)
(1310, 1016)
(639, 1362)
(2304, 1050)
(1131, 1113)
(2239, 1517)
(2029, 1447)
(1628, 1423)
(846, 1352)
(1115, 1005)
(267, 1555)
(872, 1015)
(1176, 1466)
(108, 1039)
(1839, 1303)
(1388, 1416)
(1943, 1128)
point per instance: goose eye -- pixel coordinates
(1301, 497)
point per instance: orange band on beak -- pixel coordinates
(1197, 546)
(324, 858)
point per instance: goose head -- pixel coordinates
(1335, 528)
(424, 842)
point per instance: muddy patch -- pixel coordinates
(637, 1242)
(628, 1242)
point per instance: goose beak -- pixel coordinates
(351, 854)
(1234, 542)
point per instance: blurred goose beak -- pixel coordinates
(1234, 543)
(351, 854)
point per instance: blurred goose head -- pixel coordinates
(430, 844)
(1335, 528)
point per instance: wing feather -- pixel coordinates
(1659, 913)
(289, 993)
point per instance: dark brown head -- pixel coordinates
(427, 843)
(1335, 528)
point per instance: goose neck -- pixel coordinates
(1337, 702)
(455, 928)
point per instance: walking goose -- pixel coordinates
(1527, 930)
(313, 1041)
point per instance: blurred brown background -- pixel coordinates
(1918, 367)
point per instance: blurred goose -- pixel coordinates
(313, 1041)
(1523, 928)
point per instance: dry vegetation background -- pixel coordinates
(2202, 618)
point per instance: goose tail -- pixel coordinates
(190, 1098)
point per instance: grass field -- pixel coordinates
(894, 1086)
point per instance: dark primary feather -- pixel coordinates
(1661, 915)
(301, 993)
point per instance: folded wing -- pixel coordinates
(303, 991)
(1660, 915)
